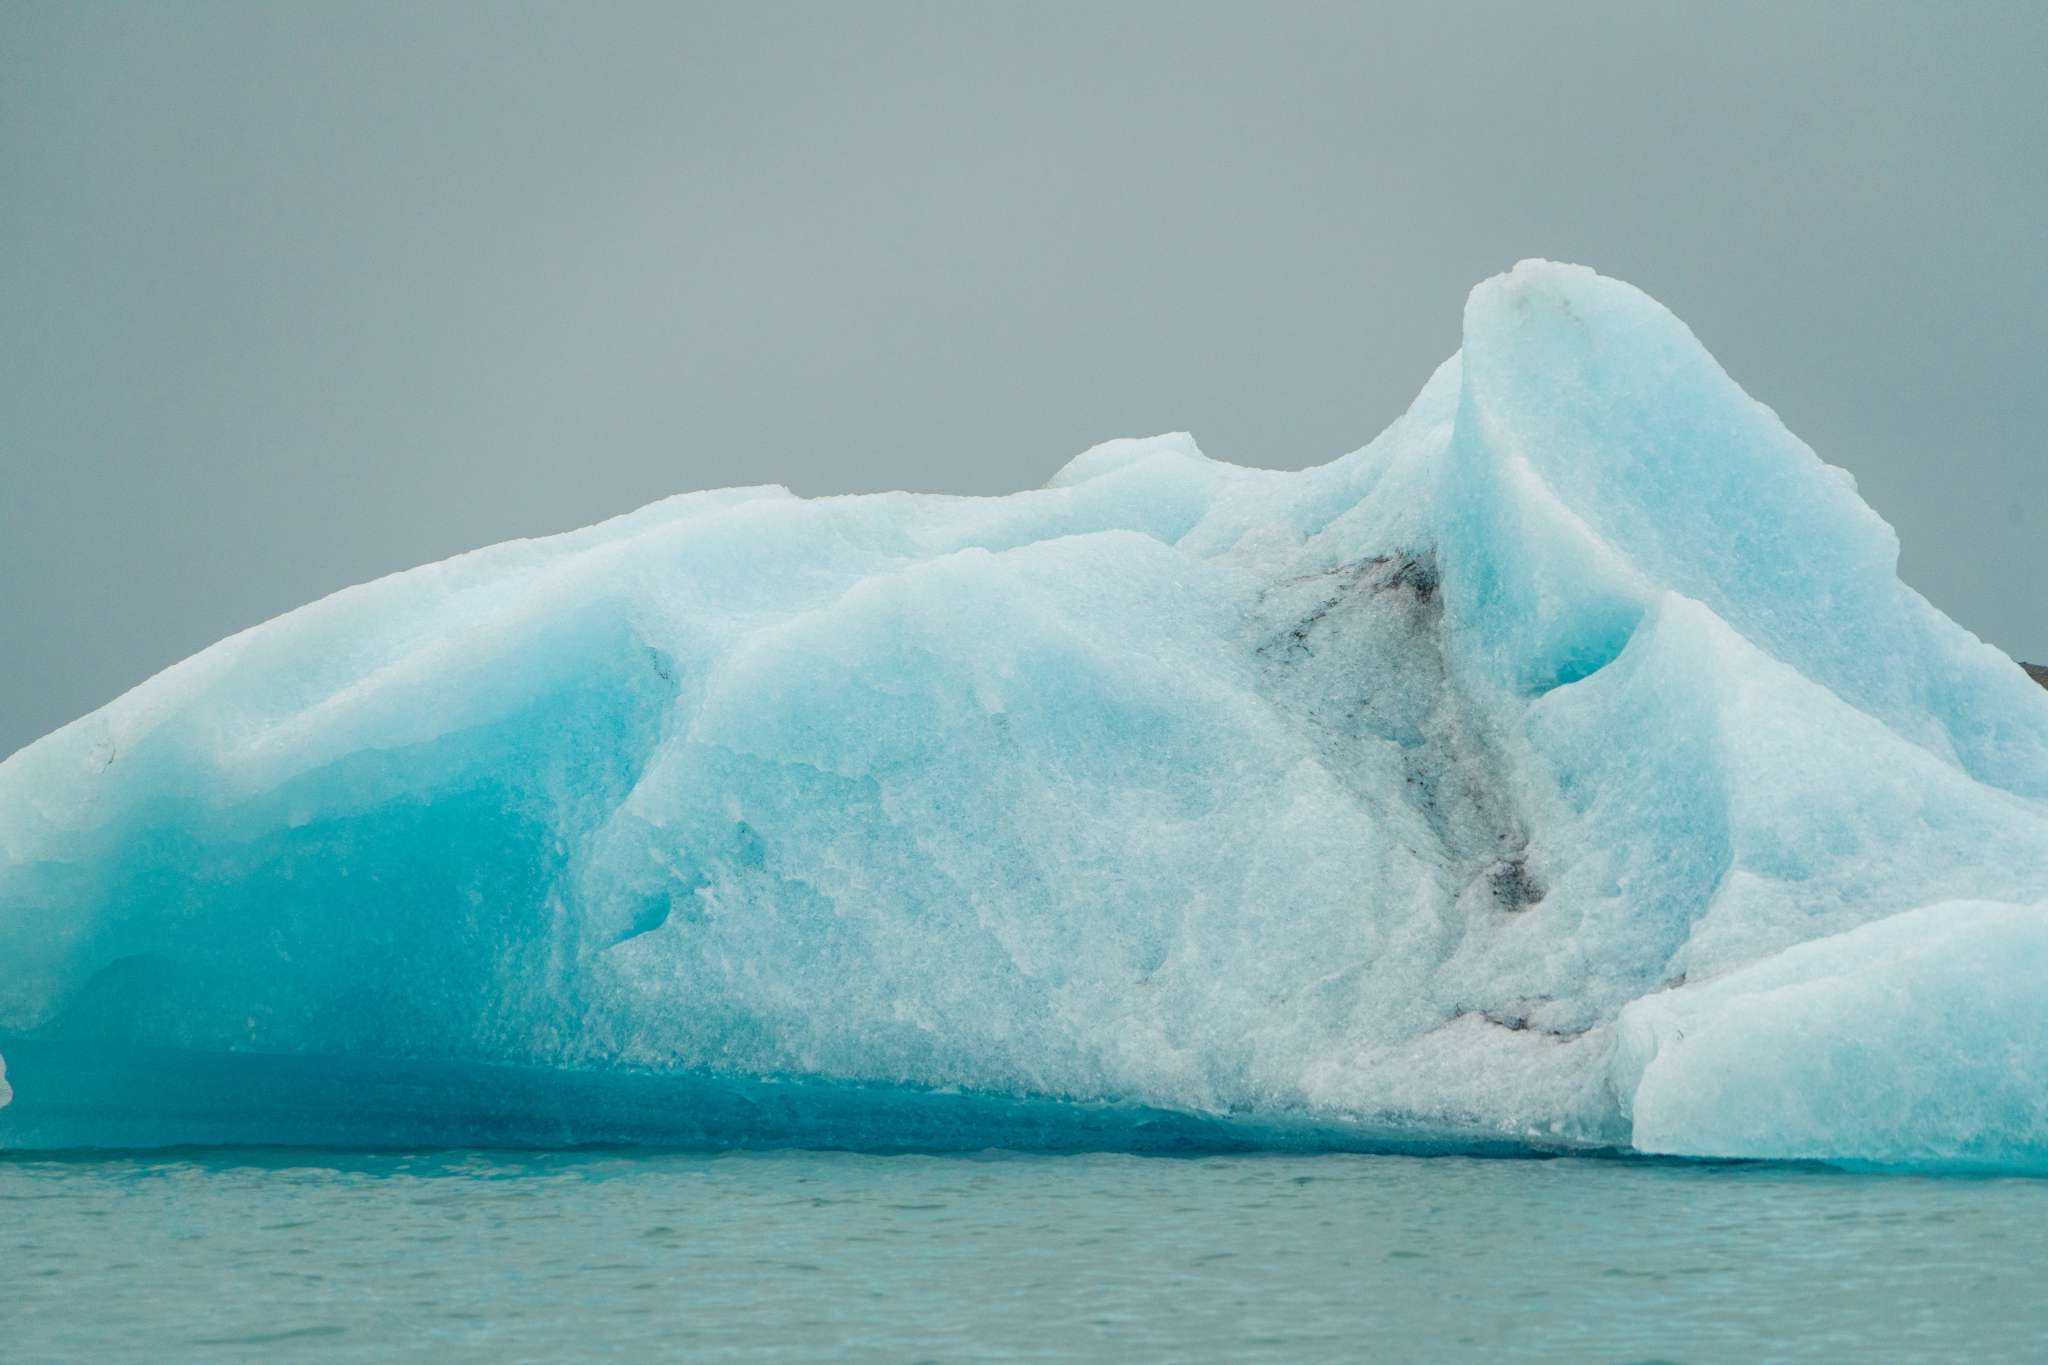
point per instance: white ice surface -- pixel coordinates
(1918, 1040)
(1375, 791)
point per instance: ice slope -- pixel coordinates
(1567, 768)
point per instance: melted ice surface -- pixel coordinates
(1442, 787)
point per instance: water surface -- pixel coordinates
(306, 1255)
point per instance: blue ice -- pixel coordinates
(1568, 768)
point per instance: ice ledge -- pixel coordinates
(1919, 1041)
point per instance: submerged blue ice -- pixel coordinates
(1567, 768)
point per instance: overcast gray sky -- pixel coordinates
(294, 296)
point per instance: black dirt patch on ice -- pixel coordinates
(1515, 887)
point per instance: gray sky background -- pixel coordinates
(294, 296)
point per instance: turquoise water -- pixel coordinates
(308, 1255)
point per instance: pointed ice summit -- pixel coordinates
(1566, 769)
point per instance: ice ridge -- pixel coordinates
(1566, 769)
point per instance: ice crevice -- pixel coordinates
(1567, 769)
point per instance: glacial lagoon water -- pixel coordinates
(289, 1255)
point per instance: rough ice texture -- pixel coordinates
(1917, 1039)
(1567, 768)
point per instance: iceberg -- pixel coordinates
(1568, 769)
